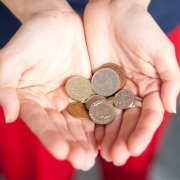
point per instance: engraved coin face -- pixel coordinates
(101, 113)
(93, 99)
(119, 71)
(79, 88)
(78, 110)
(124, 99)
(105, 82)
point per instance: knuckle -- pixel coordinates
(167, 51)
(171, 48)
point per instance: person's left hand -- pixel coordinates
(123, 32)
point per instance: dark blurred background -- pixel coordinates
(166, 13)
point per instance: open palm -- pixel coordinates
(48, 49)
(123, 32)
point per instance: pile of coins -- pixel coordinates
(98, 98)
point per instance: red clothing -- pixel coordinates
(22, 157)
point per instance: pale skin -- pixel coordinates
(50, 47)
(125, 33)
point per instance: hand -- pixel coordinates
(34, 66)
(123, 32)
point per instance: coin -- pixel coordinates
(78, 110)
(138, 98)
(124, 99)
(101, 113)
(93, 99)
(110, 100)
(105, 82)
(119, 71)
(136, 103)
(79, 88)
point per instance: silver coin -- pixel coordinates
(138, 98)
(124, 99)
(93, 99)
(105, 82)
(79, 88)
(101, 113)
(136, 103)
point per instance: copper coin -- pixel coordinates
(119, 71)
(93, 99)
(105, 82)
(101, 113)
(124, 99)
(78, 110)
(79, 88)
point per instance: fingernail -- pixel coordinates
(7, 118)
(174, 109)
(119, 163)
(108, 160)
(6, 115)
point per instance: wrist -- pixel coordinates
(24, 9)
(142, 3)
(124, 3)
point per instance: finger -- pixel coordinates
(169, 72)
(100, 49)
(111, 133)
(150, 119)
(10, 103)
(76, 154)
(10, 73)
(37, 119)
(76, 128)
(99, 134)
(120, 153)
(89, 128)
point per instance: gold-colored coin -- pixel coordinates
(78, 110)
(79, 88)
(119, 70)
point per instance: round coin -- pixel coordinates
(78, 110)
(124, 99)
(119, 71)
(101, 113)
(93, 99)
(138, 98)
(105, 82)
(79, 88)
(136, 103)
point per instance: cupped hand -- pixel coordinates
(123, 32)
(34, 66)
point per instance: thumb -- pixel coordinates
(10, 73)
(169, 73)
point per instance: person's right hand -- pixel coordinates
(34, 66)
